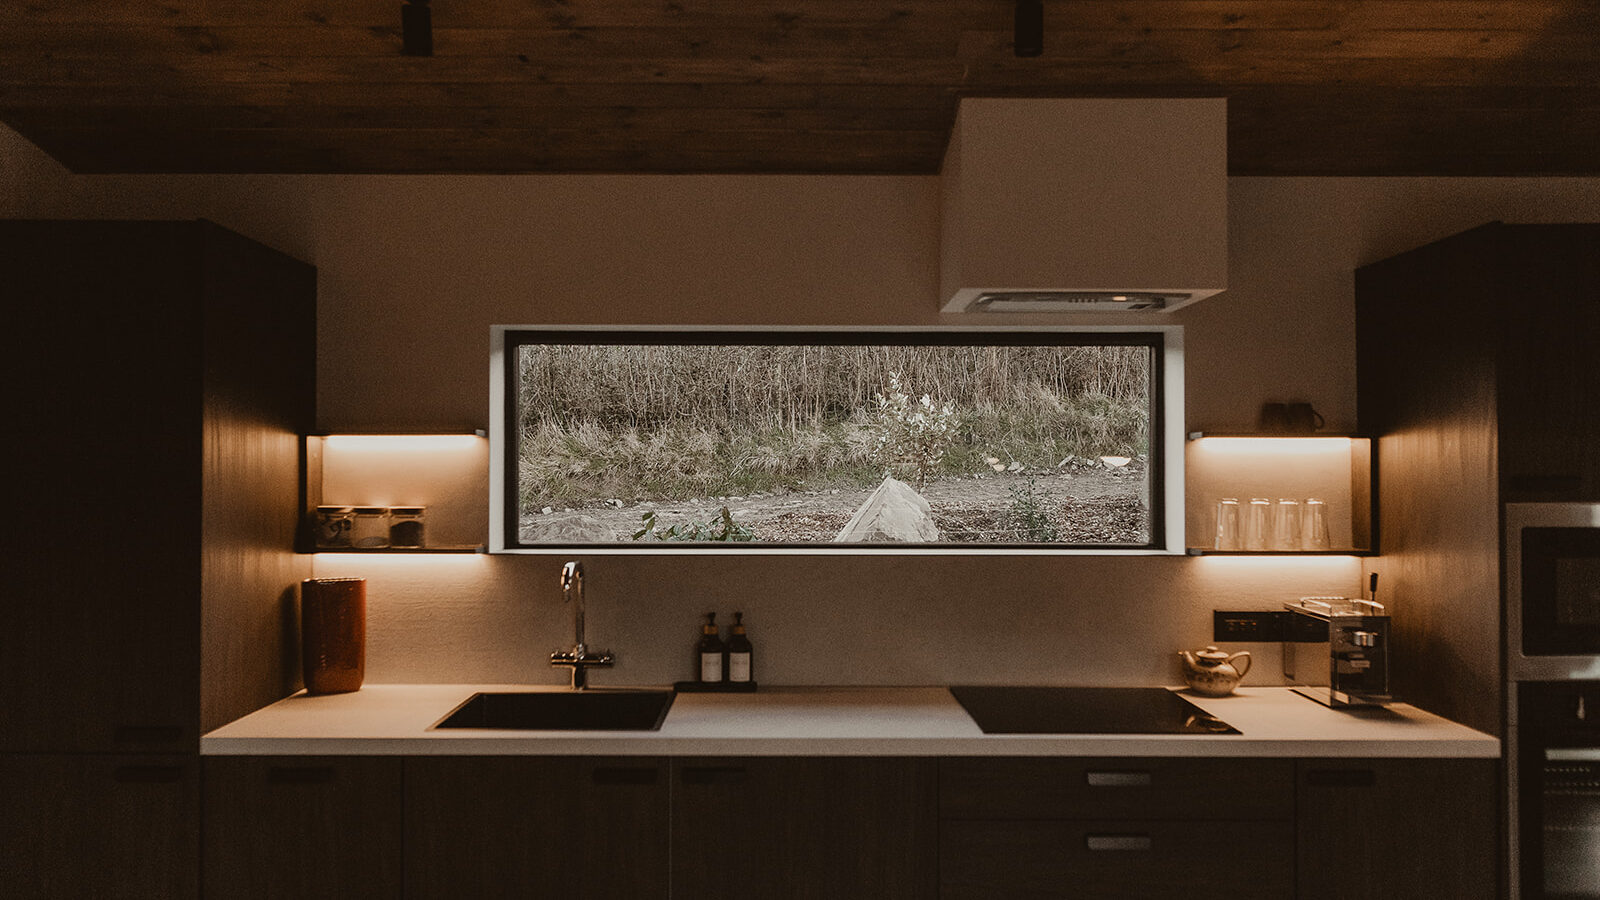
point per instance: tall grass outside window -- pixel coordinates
(869, 438)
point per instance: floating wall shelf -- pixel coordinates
(447, 472)
(1337, 468)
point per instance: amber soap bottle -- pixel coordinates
(708, 656)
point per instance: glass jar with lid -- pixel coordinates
(370, 528)
(333, 526)
(406, 527)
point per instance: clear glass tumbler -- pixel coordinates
(1258, 524)
(1286, 525)
(1314, 529)
(1228, 523)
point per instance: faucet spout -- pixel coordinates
(572, 592)
(578, 658)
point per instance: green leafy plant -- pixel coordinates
(724, 529)
(1029, 515)
(912, 435)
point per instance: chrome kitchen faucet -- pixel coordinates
(579, 657)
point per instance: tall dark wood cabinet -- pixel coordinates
(1476, 374)
(160, 374)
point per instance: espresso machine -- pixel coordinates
(1336, 651)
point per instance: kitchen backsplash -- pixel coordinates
(824, 620)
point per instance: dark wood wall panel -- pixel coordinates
(259, 346)
(1426, 390)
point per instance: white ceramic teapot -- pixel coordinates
(1212, 672)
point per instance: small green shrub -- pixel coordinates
(1028, 516)
(726, 529)
(913, 435)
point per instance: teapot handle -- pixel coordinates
(1246, 659)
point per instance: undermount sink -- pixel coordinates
(588, 710)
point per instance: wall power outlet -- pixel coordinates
(1247, 625)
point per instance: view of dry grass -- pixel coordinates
(628, 423)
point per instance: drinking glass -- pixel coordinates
(1286, 525)
(1228, 523)
(1314, 531)
(1258, 524)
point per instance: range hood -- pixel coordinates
(1066, 206)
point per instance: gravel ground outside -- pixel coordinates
(1086, 506)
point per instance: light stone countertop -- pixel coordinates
(396, 719)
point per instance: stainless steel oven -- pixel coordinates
(1552, 609)
(1557, 769)
(1552, 591)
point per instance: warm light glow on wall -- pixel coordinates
(332, 564)
(402, 443)
(1252, 579)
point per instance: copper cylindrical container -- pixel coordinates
(333, 633)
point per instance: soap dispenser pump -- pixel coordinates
(709, 654)
(741, 667)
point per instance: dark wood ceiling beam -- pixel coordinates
(716, 14)
(1062, 41)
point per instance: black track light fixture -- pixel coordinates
(416, 28)
(1028, 40)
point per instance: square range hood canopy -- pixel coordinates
(1068, 206)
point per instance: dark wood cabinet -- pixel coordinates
(301, 828)
(522, 826)
(1115, 828)
(104, 826)
(1476, 375)
(815, 827)
(1378, 828)
(160, 375)
(1491, 332)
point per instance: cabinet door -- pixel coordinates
(804, 828)
(103, 562)
(519, 826)
(99, 826)
(1381, 828)
(300, 828)
(1549, 384)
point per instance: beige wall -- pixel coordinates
(413, 270)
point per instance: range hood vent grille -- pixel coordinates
(1076, 301)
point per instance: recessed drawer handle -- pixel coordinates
(300, 774)
(147, 734)
(1118, 779)
(147, 774)
(1345, 778)
(624, 775)
(1118, 842)
(715, 774)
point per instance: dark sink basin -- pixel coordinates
(590, 710)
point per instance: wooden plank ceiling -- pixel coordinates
(1326, 87)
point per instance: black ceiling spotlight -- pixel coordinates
(1029, 38)
(416, 28)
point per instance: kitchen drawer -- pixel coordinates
(981, 859)
(1054, 788)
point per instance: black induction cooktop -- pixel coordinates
(1085, 710)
